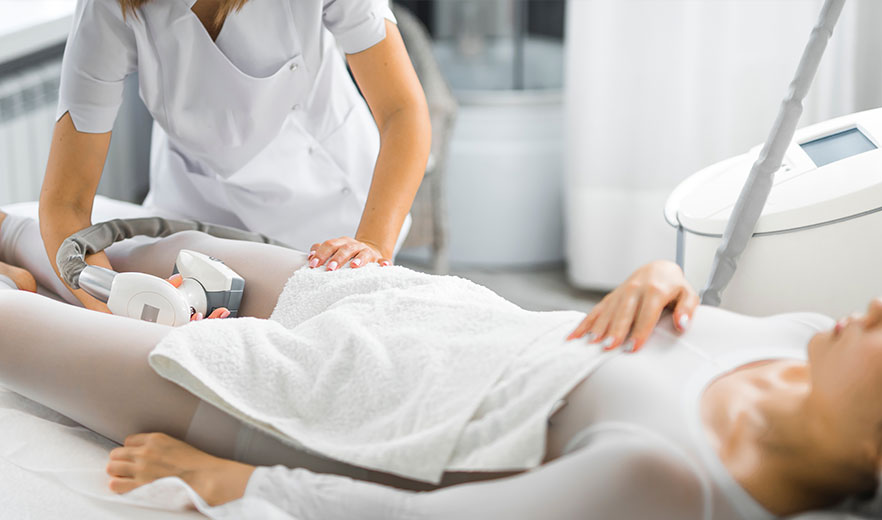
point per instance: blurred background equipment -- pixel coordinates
(657, 90)
(504, 61)
(32, 37)
(816, 245)
(429, 227)
(28, 99)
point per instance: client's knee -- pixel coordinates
(184, 239)
(172, 244)
(11, 300)
(15, 308)
(157, 257)
(15, 299)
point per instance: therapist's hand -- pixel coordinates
(337, 252)
(631, 311)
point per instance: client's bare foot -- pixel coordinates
(151, 456)
(23, 279)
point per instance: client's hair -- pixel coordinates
(226, 7)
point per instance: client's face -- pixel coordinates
(846, 366)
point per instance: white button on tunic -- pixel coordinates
(257, 129)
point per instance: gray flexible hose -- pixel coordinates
(71, 255)
(755, 192)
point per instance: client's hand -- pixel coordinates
(634, 307)
(219, 313)
(338, 251)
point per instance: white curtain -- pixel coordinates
(658, 89)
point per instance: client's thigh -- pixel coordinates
(260, 449)
(89, 366)
(265, 268)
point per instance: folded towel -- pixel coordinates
(387, 369)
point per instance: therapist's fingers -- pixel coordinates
(363, 258)
(219, 314)
(326, 252)
(344, 254)
(337, 252)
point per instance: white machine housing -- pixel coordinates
(207, 284)
(818, 243)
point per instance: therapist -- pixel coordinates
(258, 124)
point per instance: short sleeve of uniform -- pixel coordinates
(357, 24)
(100, 53)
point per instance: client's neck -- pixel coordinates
(804, 459)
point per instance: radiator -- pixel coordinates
(28, 100)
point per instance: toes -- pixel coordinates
(121, 485)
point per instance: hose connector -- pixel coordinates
(97, 281)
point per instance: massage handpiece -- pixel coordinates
(208, 285)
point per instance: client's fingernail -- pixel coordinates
(590, 337)
(605, 344)
(225, 314)
(385, 263)
(313, 263)
(356, 262)
(199, 316)
(683, 322)
(311, 254)
(628, 346)
(332, 266)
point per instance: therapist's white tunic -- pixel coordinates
(261, 129)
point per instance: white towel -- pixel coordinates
(387, 369)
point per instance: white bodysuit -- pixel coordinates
(643, 453)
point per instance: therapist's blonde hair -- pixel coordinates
(226, 7)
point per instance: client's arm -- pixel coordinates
(631, 311)
(622, 475)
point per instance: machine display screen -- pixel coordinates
(837, 146)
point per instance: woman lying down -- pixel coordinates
(367, 393)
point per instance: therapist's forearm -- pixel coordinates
(405, 139)
(57, 222)
(73, 171)
(385, 75)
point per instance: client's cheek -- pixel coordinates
(813, 344)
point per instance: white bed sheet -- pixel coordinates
(65, 464)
